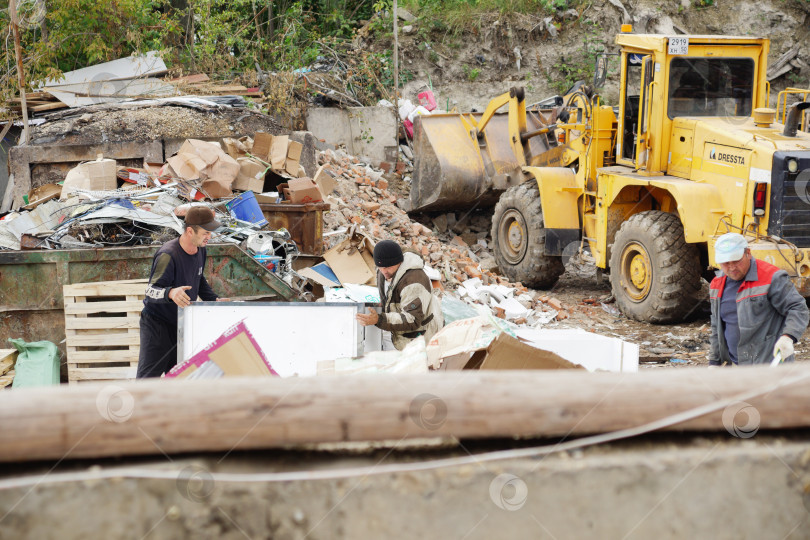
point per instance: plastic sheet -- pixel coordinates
(37, 364)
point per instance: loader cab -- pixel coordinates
(664, 78)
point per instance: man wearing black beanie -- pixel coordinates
(409, 308)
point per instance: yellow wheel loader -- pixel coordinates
(690, 153)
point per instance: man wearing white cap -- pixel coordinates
(757, 313)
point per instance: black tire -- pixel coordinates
(654, 273)
(520, 239)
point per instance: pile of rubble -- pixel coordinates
(455, 245)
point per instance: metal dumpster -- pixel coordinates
(31, 305)
(304, 221)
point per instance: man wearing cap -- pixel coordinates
(757, 313)
(176, 280)
(409, 308)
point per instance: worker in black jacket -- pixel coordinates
(176, 280)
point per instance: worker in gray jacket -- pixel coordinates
(409, 308)
(757, 313)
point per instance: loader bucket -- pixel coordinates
(454, 172)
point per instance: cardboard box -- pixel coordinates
(304, 190)
(98, 175)
(506, 352)
(294, 149)
(325, 181)
(251, 175)
(352, 260)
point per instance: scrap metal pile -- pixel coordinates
(101, 205)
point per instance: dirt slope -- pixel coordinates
(541, 52)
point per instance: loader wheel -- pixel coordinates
(519, 236)
(654, 273)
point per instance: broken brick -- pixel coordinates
(473, 272)
(370, 206)
(556, 304)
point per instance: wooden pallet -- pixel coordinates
(102, 329)
(8, 357)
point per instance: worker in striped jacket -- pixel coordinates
(409, 307)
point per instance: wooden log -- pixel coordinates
(174, 416)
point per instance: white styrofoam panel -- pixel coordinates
(293, 336)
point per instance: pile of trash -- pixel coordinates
(101, 204)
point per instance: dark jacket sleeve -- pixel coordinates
(789, 303)
(161, 281)
(206, 292)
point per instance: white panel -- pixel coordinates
(592, 351)
(293, 336)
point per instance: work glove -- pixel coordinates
(784, 345)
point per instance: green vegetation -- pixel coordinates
(581, 63)
(228, 39)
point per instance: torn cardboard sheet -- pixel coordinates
(506, 352)
(235, 353)
(593, 351)
(352, 260)
(320, 274)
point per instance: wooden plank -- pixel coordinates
(106, 288)
(87, 308)
(190, 79)
(101, 323)
(95, 374)
(48, 107)
(108, 339)
(92, 357)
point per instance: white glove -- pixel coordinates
(784, 345)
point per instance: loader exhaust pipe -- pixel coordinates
(793, 118)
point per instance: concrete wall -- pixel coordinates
(701, 487)
(367, 132)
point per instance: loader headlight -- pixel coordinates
(792, 166)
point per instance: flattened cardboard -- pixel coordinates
(235, 352)
(294, 149)
(352, 260)
(261, 145)
(278, 152)
(506, 352)
(304, 190)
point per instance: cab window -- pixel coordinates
(710, 87)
